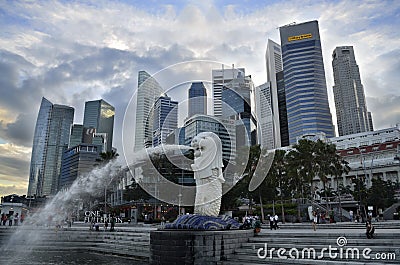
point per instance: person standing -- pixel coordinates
(2, 218)
(112, 228)
(16, 219)
(271, 222)
(314, 221)
(276, 218)
(351, 215)
(10, 219)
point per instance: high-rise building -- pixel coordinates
(263, 103)
(305, 84)
(220, 77)
(77, 161)
(351, 108)
(100, 115)
(236, 105)
(50, 140)
(224, 128)
(165, 119)
(76, 136)
(149, 90)
(283, 119)
(266, 97)
(197, 99)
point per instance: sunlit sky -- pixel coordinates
(75, 51)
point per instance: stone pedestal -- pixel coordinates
(195, 247)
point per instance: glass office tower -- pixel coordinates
(50, 140)
(197, 99)
(100, 115)
(305, 84)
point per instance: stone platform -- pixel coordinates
(195, 247)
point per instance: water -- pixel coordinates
(64, 257)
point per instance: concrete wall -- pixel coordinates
(195, 247)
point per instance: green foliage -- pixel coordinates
(381, 194)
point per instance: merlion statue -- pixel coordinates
(207, 169)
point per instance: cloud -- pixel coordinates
(72, 52)
(385, 110)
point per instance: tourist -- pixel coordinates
(351, 215)
(112, 228)
(370, 230)
(10, 219)
(314, 221)
(276, 218)
(3, 219)
(271, 222)
(16, 218)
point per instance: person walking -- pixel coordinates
(351, 215)
(105, 225)
(2, 218)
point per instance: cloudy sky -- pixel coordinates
(75, 51)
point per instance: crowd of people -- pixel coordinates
(11, 219)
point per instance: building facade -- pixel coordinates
(236, 105)
(165, 119)
(263, 103)
(273, 59)
(149, 90)
(305, 84)
(220, 77)
(197, 99)
(283, 119)
(224, 128)
(351, 107)
(371, 155)
(77, 161)
(100, 115)
(51, 139)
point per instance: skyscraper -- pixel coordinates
(236, 105)
(165, 119)
(197, 99)
(305, 84)
(351, 108)
(263, 103)
(219, 78)
(149, 90)
(100, 115)
(266, 96)
(283, 120)
(50, 140)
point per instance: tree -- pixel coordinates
(381, 194)
(108, 156)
